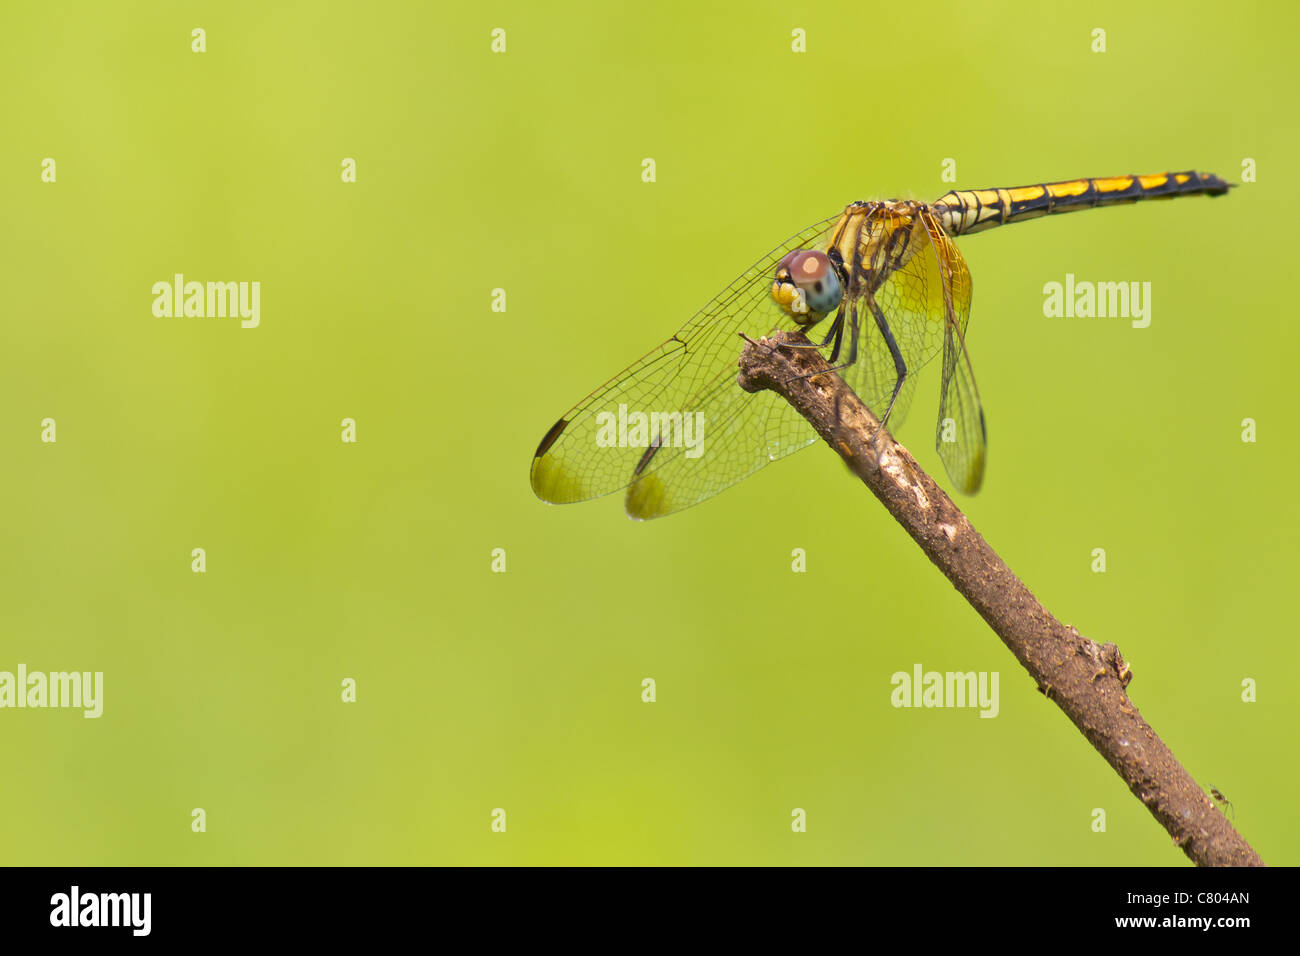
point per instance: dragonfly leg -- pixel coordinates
(900, 367)
(836, 332)
(839, 340)
(852, 359)
(853, 335)
(830, 334)
(853, 351)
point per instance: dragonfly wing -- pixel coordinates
(609, 438)
(960, 438)
(739, 433)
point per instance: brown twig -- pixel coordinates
(1085, 679)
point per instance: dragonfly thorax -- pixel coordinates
(807, 286)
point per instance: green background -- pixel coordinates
(521, 690)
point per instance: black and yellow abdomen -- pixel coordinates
(965, 211)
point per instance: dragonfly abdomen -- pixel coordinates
(966, 211)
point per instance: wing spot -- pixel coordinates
(549, 438)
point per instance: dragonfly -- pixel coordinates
(883, 288)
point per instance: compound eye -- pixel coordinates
(813, 272)
(783, 267)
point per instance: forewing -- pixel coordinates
(593, 450)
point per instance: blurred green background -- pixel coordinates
(522, 171)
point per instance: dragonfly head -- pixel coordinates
(807, 286)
